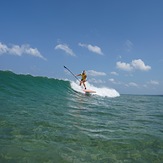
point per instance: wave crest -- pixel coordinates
(103, 91)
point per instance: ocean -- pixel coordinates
(45, 120)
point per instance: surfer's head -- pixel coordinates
(83, 71)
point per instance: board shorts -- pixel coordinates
(83, 80)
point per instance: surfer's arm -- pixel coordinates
(78, 75)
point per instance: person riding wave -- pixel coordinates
(83, 78)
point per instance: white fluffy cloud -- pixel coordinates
(124, 66)
(3, 48)
(94, 49)
(134, 65)
(95, 73)
(140, 65)
(19, 50)
(65, 48)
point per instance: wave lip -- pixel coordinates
(103, 91)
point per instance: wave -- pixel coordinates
(20, 83)
(11, 82)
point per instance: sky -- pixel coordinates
(118, 42)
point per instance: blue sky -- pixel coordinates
(118, 42)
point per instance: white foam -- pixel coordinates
(104, 91)
(75, 86)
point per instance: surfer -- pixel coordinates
(83, 78)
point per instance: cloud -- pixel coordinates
(3, 48)
(119, 57)
(114, 73)
(20, 50)
(153, 82)
(134, 65)
(95, 73)
(132, 84)
(94, 49)
(114, 81)
(65, 48)
(96, 81)
(128, 45)
(139, 65)
(124, 66)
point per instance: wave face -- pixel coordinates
(26, 84)
(15, 83)
(51, 120)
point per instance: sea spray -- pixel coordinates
(100, 91)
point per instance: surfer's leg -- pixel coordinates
(80, 83)
(84, 85)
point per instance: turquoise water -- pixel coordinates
(49, 120)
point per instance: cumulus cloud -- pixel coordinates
(140, 65)
(134, 65)
(124, 66)
(65, 48)
(3, 48)
(19, 50)
(94, 49)
(95, 73)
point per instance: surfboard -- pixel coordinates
(89, 91)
